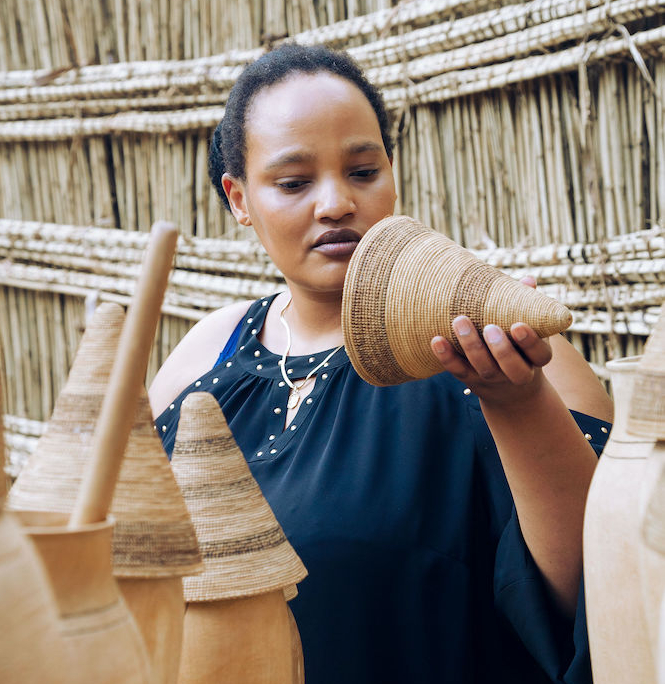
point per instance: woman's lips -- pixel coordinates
(340, 242)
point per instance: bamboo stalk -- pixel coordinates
(45, 378)
(449, 172)
(9, 399)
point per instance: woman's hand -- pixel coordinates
(495, 368)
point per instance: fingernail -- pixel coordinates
(493, 334)
(518, 333)
(438, 345)
(463, 327)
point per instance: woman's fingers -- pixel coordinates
(494, 356)
(475, 350)
(513, 365)
(449, 358)
(536, 349)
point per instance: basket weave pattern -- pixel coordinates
(647, 407)
(405, 284)
(244, 548)
(153, 535)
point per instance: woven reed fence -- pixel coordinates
(533, 132)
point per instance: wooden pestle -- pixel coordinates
(119, 406)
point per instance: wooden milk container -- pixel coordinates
(647, 419)
(32, 648)
(78, 460)
(238, 627)
(616, 622)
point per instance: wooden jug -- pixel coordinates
(647, 419)
(238, 641)
(103, 640)
(618, 638)
(154, 542)
(651, 546)
(158, 546)
(238, 627)
(31, 647)
(158, 606)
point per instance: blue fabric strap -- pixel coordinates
(230, 347)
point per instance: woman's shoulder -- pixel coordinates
(195, 354)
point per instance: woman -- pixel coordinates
(441, 528)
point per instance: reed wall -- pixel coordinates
(533, 132)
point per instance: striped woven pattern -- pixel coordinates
(244, 548)
(153, 535)
(405, 284)
(647, 406)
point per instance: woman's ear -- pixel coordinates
(235, 193)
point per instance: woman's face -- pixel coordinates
(317, 177)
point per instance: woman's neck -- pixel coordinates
(314, 320)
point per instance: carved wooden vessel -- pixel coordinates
(618, 637)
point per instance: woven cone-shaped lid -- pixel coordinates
(405, 284)
(153, 535)
(647, 406)
(50, 479)
(244, 548)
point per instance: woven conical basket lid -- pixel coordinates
(647, 406)
(244, 548)
(405, 284)
(153, 536)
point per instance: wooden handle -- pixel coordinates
(118, 410)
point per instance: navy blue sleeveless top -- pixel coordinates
(396, 501)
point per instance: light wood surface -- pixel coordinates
(101, 637)
(651, 560)
(31, 647)
(238, 641)
(617, 625)
(158, 607)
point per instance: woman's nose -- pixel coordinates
(334, 200)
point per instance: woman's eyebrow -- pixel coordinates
(359, 148)
(302, 157)
(289, 158)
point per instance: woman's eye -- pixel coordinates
(291, 185)
(365, 173)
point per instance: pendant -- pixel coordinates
(294, 398)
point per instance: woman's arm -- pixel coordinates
(194, 355)
(547, 460)
(575, 382)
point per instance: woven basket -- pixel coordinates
(153, 536)
(405, 284)
(647, 407)
(244, 548)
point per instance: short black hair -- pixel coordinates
(228, 145)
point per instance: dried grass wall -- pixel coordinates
(534, 132)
